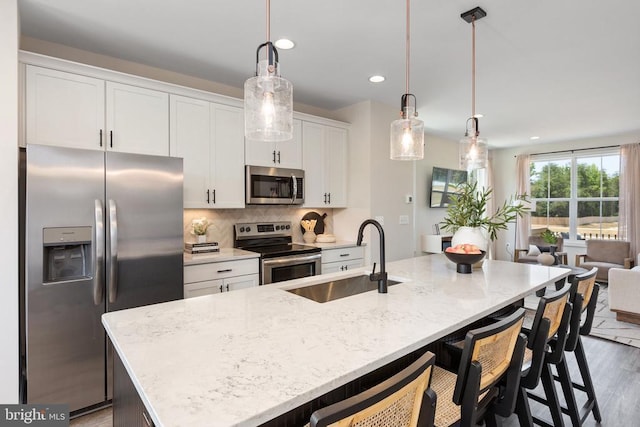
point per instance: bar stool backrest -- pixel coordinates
(584, 296)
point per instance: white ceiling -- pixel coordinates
(558, 69)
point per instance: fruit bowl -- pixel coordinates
(464, 261)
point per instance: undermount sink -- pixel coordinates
(336, 289)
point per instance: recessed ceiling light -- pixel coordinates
(284, 44)
(479, 116)
(376, 79)
(533, 138)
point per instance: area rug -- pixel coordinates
(606, 326)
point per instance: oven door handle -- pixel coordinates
(290, 260)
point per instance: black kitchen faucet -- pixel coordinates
(380, 277)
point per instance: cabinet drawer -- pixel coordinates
(333, 267)
(220, 270)
(203, 288)
(342, 254)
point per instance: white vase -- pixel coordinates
(546, 258)
(309, 236)
(473, 235)
(202, 238)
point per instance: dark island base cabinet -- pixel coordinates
(128, 409)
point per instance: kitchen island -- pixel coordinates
(243, 358)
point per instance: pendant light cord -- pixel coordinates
(408, 45)
(268, 20)
(473, 68)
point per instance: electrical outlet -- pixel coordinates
(408, 198)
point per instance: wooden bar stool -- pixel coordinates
(488, 375)
(547, 335)
(584, 296)
(404, 400)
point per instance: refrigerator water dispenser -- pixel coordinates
(67, 254)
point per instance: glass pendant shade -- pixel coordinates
(474, 153)
(407, 136)
(268, 105)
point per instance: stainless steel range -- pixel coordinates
(280, 259)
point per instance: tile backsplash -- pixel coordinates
(222, 220)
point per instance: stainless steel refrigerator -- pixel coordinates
(103, 231)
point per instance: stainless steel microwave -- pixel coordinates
(274, 186)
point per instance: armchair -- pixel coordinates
(523, 255)
(624, 298)
(605, 254)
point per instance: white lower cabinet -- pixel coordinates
(342, 259)
(216, 277)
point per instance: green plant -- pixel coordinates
(468, 209)
(549, 236)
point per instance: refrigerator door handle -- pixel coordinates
(98, 253)
(113, 251)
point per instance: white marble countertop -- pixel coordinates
(242, 358)
(225, 254)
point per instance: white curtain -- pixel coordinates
(629, 223)
(523, 225)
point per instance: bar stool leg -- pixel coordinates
(586, 380)
(552, 398)
(522, 409)
(569, 395)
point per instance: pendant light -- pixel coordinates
(473, 149)
(268, 98)
(407, 133)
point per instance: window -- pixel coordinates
(576, 193)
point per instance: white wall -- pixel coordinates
(504, 167)
(9, 195)
(438, 152)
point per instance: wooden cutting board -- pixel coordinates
(319, 228)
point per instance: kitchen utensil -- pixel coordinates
(319, 227)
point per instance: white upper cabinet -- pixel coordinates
(283, 154)
(64, 109)
(210, 139)
(70, 110)
(324, 163)
(137, 120)
(190, 140)
(227, 130)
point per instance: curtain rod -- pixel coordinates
(571, 151)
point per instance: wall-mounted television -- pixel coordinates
(444, 183)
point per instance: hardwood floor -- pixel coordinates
(615, 369)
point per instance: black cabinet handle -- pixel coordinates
(214, 196)
(227, 287)
(100, 137)
(325, 198)
(278, 157)
(274, 156)
(329, 198)
(111, 138)
(228, 270)
(345, 254)
(207, 196)
(342, 268)
(221, 290)
(346, 267)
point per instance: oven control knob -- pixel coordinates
(242, 229)
(288, 226)
(248, 229)
(277, 227)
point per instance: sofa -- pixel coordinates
(624, 293)
(605, 254)
(529, 256)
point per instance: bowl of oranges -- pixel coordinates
(464, 256)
